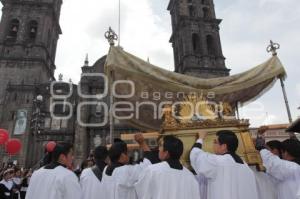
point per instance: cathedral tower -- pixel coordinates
(29, 32)
(196, 39)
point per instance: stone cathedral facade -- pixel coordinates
(29, 32)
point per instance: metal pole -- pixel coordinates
(272, 48)
(119, 33)
(292, 135)
(286, 100)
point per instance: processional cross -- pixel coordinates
(273, 47)
(111, 37)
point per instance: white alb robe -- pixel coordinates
(57, 183)
(298, 195)
(202, 183)
(160, 181)
(285, 172)
(266, 185)
(120, 185)
(90, 185)
(226, 179)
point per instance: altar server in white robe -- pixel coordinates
(287, 170)
(228, 177)
(55, 181)
(168, 179)
(202, 183)
(118, 178)
(267, 184)
(275, 146)
(91, 178)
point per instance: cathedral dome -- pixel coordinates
(99, 65)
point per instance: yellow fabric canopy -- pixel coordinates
(153, 84)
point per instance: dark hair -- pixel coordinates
(83, 165)
(118, 140)
(229, 138)
(116, 150)
(100, 153)
(61, 148)
(174, 146)
(17, 169)
(46, 159)
(292, 147)
(275, 144)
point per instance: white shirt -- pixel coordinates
(160, 181)
(266, 185)
(17, 180)
(58, 183)
(8, 184)
(285, 172)
(90, 185)
(226, 179)
(120, 185)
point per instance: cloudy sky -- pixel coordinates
(246, 30)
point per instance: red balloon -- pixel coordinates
(13, 146)
(50, 146)
(3, 136)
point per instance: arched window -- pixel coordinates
(33, 28)
(13, 30)
(205, 2)
(12, 115)
(192, 11)
(15, 97)
(211, 47)
(206, 13)
(196, 43)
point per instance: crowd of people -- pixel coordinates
(159, 174)
(13, 181)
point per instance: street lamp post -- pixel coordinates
(37, 115)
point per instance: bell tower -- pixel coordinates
(196, 39)
(29, 31)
